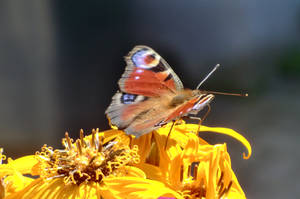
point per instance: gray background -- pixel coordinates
(60, 62)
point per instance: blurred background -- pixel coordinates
(60, 62)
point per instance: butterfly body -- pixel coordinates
(151, 94)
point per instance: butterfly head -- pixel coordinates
(203, 99)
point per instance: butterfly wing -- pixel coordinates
(135, 114)
(124, 108)
(146, 78)
(138, 116)
(148, 74)
(147, 89)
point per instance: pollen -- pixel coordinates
(88, 159)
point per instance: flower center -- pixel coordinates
(87, 159)
(195, 188)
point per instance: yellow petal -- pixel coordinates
(144, 145)
(152, 172)
(233, 194)
(225, 131)
(214, 176)
(15, 182)
(23, 165)
(137, 188)
(134, 172)
(56, 189)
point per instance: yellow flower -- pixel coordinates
(96, 166)
(11, 178)
(111, 164)
(191, 166)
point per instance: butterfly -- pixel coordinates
(151, 94)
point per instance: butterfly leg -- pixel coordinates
(174, 121)
(130, 141)
(204, 117)
(199, 119)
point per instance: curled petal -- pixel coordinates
(23, 165)
(225, 131)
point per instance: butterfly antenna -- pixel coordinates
(224, 93)
(207, 76)
(203, 118)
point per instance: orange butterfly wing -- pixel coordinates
(148, 74)
(147, 87)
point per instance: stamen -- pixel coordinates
(97, 140)
(64, 143)
(229, 186)
(201, 188)
(195, 172)
(92, 159)
(225, 189)
(189, 171)
(78, 143)
(72, 176)
(93, 137)
(49, 150)
(68, 140)
(67, 180)
(220, 185)
(181, 173)
(81, 137)
(221, 178)
(221, 190)
(101, 144)
(79, 162)
(53, 177)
